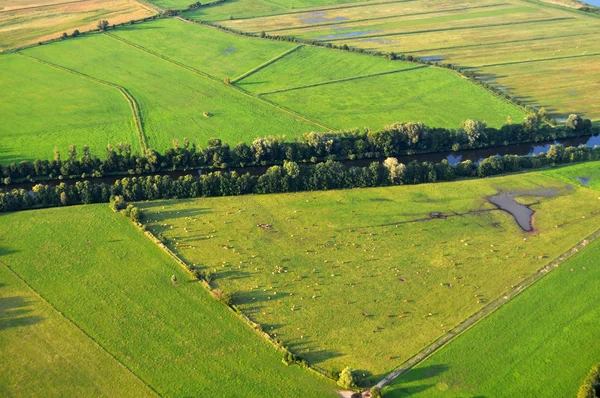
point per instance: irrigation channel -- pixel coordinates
(475, 155)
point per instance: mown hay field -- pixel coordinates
(28, 22)
(541, 53)
(541, 344)
(114, 283)
(368, 277)
(43, 108)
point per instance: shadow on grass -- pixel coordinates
(14, 312)
(400, 389)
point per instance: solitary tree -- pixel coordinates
(346, 379)
(103, 24)
(396, 170)
(75, 33)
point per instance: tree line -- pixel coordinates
(290, 177)
(394, 140)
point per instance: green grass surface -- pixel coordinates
(433, 96)
(172, 99)
(209, 50)
(305, 66)
(43, 108)
(115, 284)
(345, 253)
(563, 42)
(541, 344)
(585, 174)
(36, 340)
(249, 8)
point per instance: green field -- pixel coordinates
(43, 108)
(332, 256)
(541, 344)
(544, 54)
(172, 99)
(35, 339)
(102, 273)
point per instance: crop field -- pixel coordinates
(368, 277)
(72, 364)
(28, 22)
(544, 54)
(540, 344)
(115, 284)
(43, 108)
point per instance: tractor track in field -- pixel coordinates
(207, 76)
(264, 65)
(70, 321)
(135, 109)
(494, 305)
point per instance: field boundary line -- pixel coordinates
(489, 309)
(562, 8)
(530, 61)
(39, 295)
(246, 319)
(346, 79)
(385, 17)
(137, 117)
(264, 65)
(417, 32)
(282, 108)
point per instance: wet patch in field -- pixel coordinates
(347, 35)
(522, 214)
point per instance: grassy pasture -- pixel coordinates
(541, 344)
(27, 22)
(115, 284)
(172, 99)
(563, 42)
(331, 257)
(209, 50)
(409, 95)
(36, 340)
(43, 108)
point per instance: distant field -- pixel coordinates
(541, 53)
(541, 344)
(37, 340)
(27, 22)
(43, 108)
(173, 99)
(331, 257)
(115, 284)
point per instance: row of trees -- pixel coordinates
(395, 140)
(291, 177)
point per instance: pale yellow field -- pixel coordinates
(26, 22)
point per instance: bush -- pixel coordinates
(591, 385)
(376, 392)
(222, 296)
(346, 379)
(118, 203)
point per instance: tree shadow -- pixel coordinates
(13, 312)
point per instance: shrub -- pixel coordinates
(222, 296)
(197, 274)
(591, 385)
(346, 379)
(118, 203)
(376, 392)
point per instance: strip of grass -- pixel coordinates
(173, 99)
(585, 174)
(36, 340)
(209, 50)
(115, 284)
(43, 108)
(541, 344)
(433, 96)
(310, 65)
(364, 277)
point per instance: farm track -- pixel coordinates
(534, 60)
(269, 62)
(416, 32)
(346, 79)
(135, 109)
(485, 311)
(327, 24)
(70, 321)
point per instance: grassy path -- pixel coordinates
(130, 99)
(196, 71)
(264, 65)
(70, 321)
(343, 80)
(484, 312)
